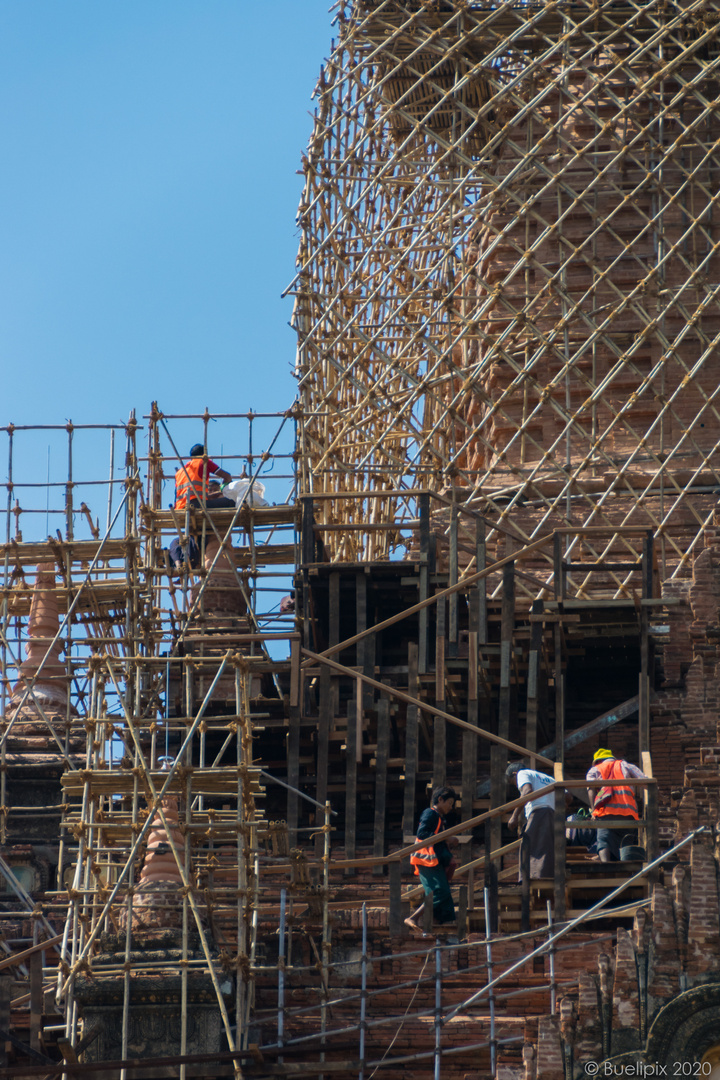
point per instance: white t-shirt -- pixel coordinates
(537, 780)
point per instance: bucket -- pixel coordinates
(630, 851)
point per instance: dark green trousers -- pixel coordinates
(435, 881)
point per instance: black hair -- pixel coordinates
(197, 450)
(442, 793)
(513, 769)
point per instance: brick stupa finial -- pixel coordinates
(158, 896)
(51, 680)
(222, 594)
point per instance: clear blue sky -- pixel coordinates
(148, 196)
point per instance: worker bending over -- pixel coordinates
(538, 838)
(192, 482)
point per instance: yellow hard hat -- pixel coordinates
(600, 754)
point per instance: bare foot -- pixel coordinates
(414, 926)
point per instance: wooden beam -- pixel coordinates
(531, 715)
(439, 732)
(452, 634)
(395, 915)
(350, 781)
(323, 744)
(423, 582)
(411, 744)
(469, 739)
(381, 760)
(424, 706)
(560, 846)
(594, 727)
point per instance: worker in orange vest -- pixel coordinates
(192, 481)
(434, 863)
(612, 803)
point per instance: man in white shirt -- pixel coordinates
(539, 834)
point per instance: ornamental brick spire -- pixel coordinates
(43, 662)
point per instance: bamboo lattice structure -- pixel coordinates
(140, 694)
(507, 286)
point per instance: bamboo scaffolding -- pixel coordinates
(116, 624)
(458, 327)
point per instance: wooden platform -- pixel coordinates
(248, 518)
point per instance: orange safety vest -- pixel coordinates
(425, 856)
(190, 478)
(614, 801)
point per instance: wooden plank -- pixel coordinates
(20, 957)
(558, 570)
(306, 610)
(411, 745)
(333, 638)
(36, 999)
(293, 772)
(28, 554)
(366, 526)
(307, 532)
(371, 644)
(477, 616)
(473, 665)
(492, 843)
(423, 581)
(506, 640)
(361, 649)
(294, 674)
(439, 727)
(559, 693)
(351, 784)
(560, 847)
(480, 590)
(266, 555)
(462, 910)
(334, 608)
(452, 580)
(470, 745)
(440, 653)
(307, 554)
(603, 567)
(205, 781)
(7, 985)
(324, 718)
(524, 864)
(536, 633)
(381, 759)
(498, 754)
(650, 814)
(254, 517)
(395, 915)
(644, 679)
